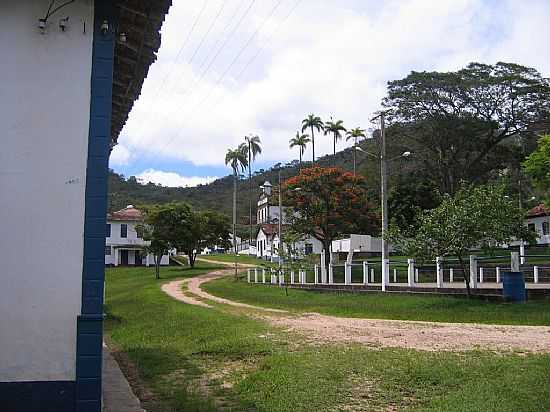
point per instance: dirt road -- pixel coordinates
(430, 336)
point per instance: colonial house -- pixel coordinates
(538, 219)
(71, 71)
(123, 246)
(267, 236)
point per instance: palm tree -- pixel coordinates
(253, 149)
(355, 134)
(335, 128)
(237, 159)
(301, 141)
(313, 122)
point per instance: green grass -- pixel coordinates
(179, 348)
(230, 258)
(385, 306)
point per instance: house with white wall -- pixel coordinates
(538, 219)
(71, 71)
(123, 246)
(267, 236)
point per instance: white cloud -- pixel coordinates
(172, 179)
(120, 156)
(330, 57)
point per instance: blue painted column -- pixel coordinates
(90, 322)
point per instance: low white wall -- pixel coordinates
(45, 105)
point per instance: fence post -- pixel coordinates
(371, 275)
(451, 275)
(410, 272)
(385, 274)
(365, 272)
(394, 275)
(248, 274)
(330, 274)
(416, 275)
(439, 271)
(347, 273)
(536, 274)
(282, 277)
(315, 274)
(473, 272)
(303, 276)
(497, 269)
(514, 267)
(263, 276)
(522, 253)
(481, 277)
(292, 277)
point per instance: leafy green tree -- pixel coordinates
(335, 128)
(476, 216)
(355, 134)
(537, 166)
(327, 203)
(457, 123)
(156, 230)
(312, 122)
(300, 141)
(253, 149)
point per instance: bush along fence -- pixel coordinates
(482, 272)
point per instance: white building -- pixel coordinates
(71, 71)
(538, 219)
(123, 246)
(267, 237)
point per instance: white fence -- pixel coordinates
(442, 274)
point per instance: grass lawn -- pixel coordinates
(230, 258)
(196, 359)
(385, 306)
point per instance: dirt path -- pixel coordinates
(430, 336)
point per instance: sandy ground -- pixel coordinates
(430, 336)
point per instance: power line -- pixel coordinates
(173, 65)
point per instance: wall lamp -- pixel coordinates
(106, 28)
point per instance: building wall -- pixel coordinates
(131, 239)
(538, 222)
(45, 94)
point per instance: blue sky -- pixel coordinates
(227, 68)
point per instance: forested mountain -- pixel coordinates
(216, 195)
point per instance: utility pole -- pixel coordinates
(280, 221)
(384, 200)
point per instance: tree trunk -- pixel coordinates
(313, 145)
(249, 198)
(191, 258)
(326, 245)
(355, 159)
(466, 276)
(300, 167)
(235, 219)
(157, 266)
(334, 160)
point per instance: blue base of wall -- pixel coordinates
(37, 396)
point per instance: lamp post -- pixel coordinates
(383, 194)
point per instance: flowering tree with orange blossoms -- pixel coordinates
(329, 203)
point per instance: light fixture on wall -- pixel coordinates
(42, 23)
(63, 23)
(122, 37)
(105, 27)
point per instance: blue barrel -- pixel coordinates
(513, 286)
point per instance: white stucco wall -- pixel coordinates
(45, 104)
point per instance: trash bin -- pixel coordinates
(513, 287)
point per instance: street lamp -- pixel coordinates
(383, 199)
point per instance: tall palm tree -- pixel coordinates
(335, 128)
(355, 134)
(253, 149)
(313, 122)
(237, 159)
(300, 141)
